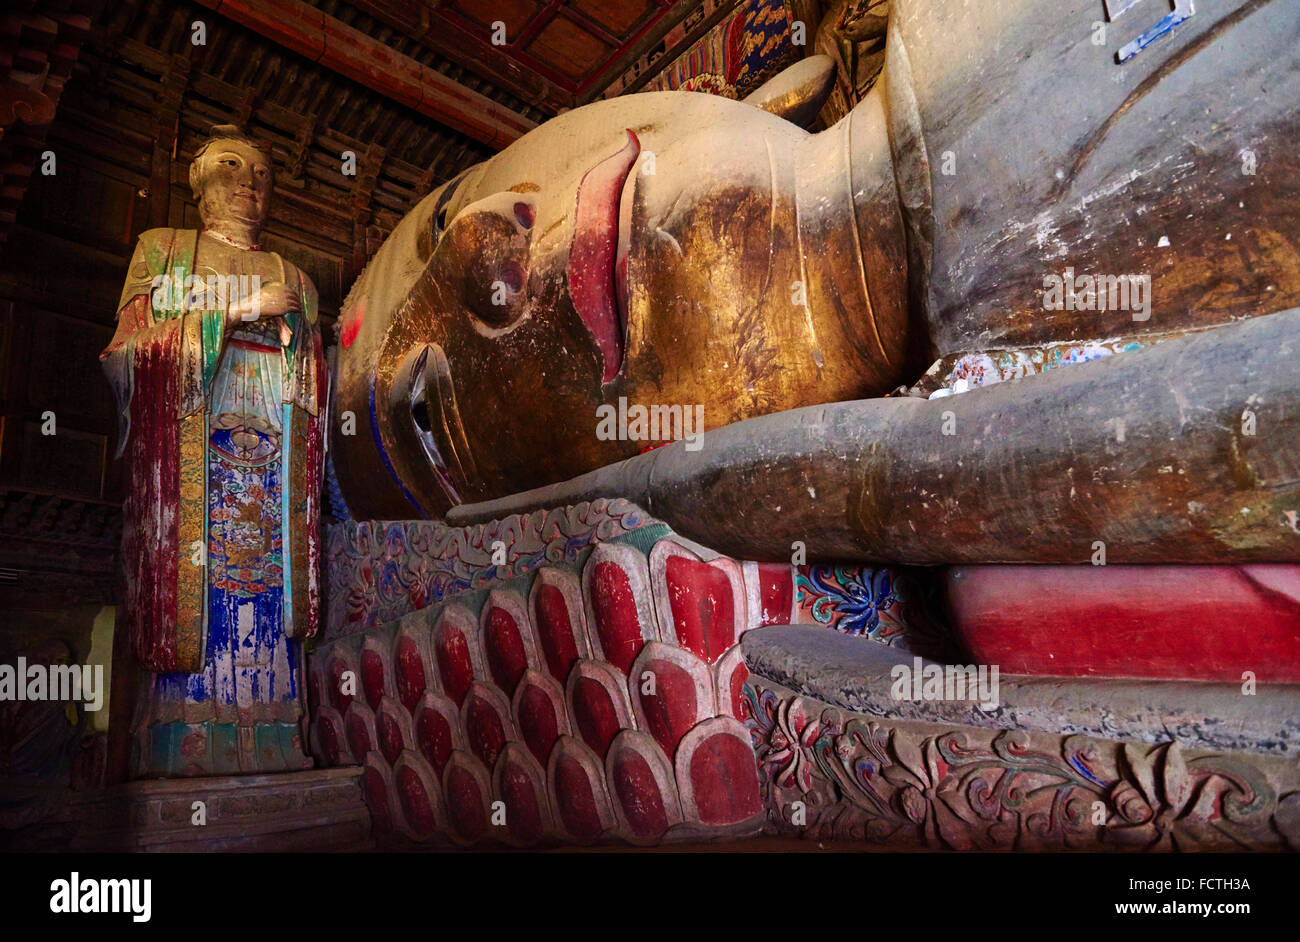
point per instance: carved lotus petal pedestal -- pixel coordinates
(313, 811)
(1057, 764)
(613, 682)
(588, 691)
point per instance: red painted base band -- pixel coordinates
(1175, 622)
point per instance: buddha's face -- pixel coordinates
(233, 182)
(646, 248)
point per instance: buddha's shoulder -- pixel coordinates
(153, 251)
(164, 235)
(158, 243)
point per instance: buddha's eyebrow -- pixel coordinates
(547, 232)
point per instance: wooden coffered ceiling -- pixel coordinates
(416, 88)
(556, 54)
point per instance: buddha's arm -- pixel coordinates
(135, 322)
(1147, 452)
(301, 337)
(142, 358)
(272, 300)
(135, 318)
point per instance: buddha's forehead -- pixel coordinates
(561, 151)
(691, 141)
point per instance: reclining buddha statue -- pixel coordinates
(1038, 289)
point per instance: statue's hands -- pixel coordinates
(273, 300)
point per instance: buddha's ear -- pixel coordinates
(797, 93)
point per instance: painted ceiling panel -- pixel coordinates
(569, 49)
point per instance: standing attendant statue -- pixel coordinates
(221, 388)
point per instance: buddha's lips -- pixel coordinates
(593, 256)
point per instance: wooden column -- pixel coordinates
(166, 132)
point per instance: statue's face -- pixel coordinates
(599, 226)
(644, 248)
(234, 183)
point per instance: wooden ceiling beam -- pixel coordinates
(333, 44)
(693, 33)
(468, 51)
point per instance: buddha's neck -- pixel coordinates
(234, 233)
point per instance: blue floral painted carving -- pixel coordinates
(848, 598)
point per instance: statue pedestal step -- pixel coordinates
(1056, 763)
(857, 674)
(318, 810)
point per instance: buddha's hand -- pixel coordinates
(273, 300)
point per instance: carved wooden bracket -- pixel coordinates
(302, 144)
(368, 166)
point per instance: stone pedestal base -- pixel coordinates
(1056, 764)
(321, 810)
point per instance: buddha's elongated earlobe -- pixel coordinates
(797, 93)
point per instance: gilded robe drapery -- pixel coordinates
(162, 364)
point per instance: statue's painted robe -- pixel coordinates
(222, 433)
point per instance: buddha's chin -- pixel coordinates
(241, 212)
